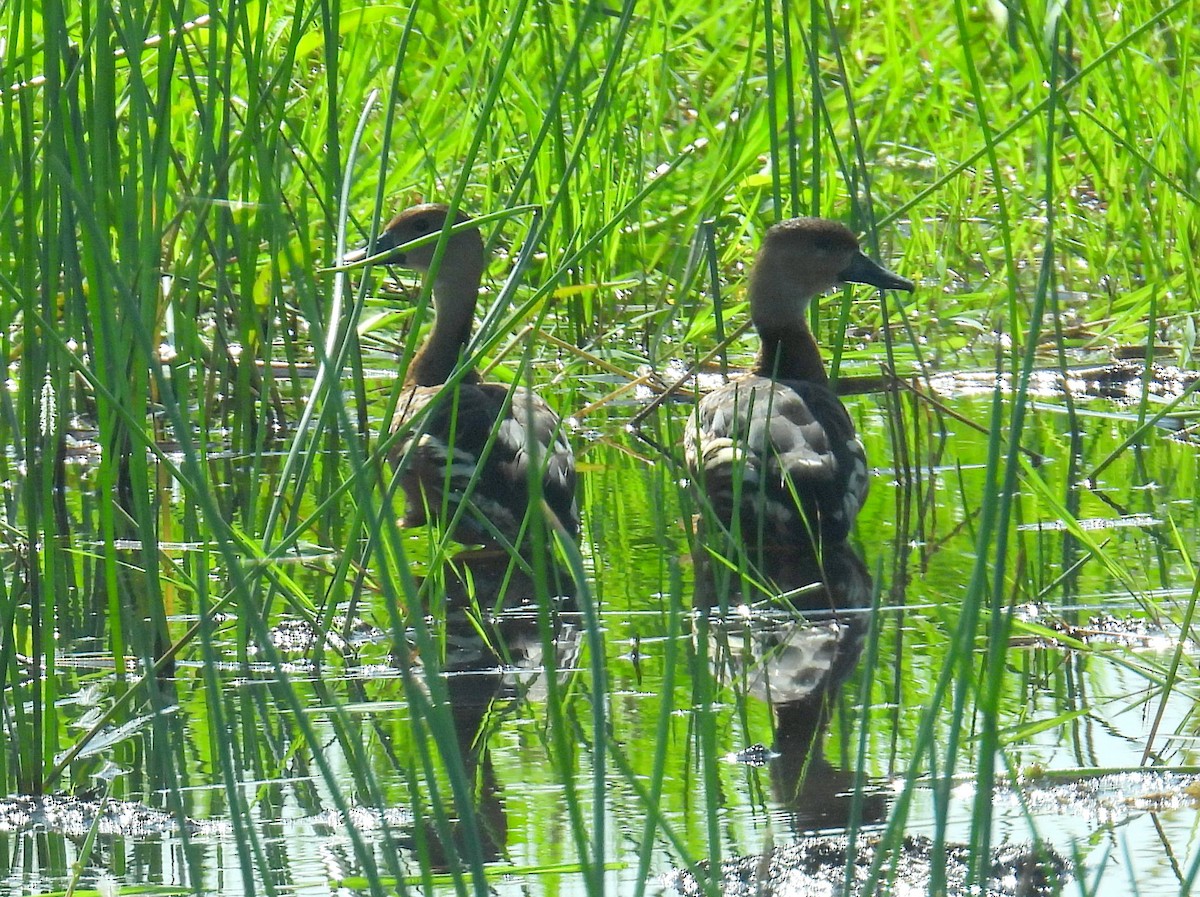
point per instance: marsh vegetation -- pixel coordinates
(218, 639)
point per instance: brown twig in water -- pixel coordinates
(636, 422)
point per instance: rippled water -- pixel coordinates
(753, 762)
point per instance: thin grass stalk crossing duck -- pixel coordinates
(483, 442)
(775, 449)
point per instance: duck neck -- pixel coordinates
(789, 352)
(454, 314)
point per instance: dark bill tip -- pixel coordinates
(382, 243)
(863, 270)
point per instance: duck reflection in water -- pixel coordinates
(798, 664)
(495, 641)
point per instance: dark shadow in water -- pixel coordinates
(797, 661)
(496, 642)
(493, 580)
(818, 865)
(795, 649)
(799, 576)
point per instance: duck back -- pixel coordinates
(451, 439)
(782, 455)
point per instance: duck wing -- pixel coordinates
(784, 453)
(452, 438)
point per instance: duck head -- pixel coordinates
(802, 258)
(455, 283)
(462, 262)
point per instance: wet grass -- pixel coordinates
(184, 368)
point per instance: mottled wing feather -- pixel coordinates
(783, 451)
(452, 438)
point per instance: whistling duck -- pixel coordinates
(777, 443)
(450, 441)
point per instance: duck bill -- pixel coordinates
(383, 243)
(863, 270)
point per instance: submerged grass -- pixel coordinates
(175, 186)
